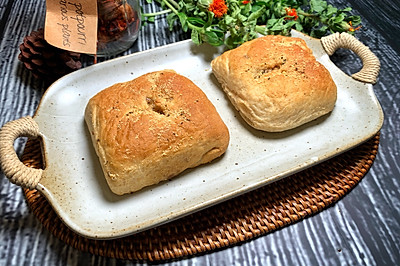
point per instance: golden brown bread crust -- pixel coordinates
(153, 128)
(275, 82)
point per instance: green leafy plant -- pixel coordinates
(233, 22)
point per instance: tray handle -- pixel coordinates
(371, 65)
(11, 165)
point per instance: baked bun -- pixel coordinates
(275, 82)
(152, 128)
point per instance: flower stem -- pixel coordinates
(307, 14)
(157, 13)
(172, 2)
(260, 29)
(170, 5)
(193, 27)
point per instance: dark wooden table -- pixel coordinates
(361, 229)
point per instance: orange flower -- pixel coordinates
(291, 12)
(245, 2)
(218, 7)
(352, 28)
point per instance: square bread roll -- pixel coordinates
(275, 82)
(152, 128)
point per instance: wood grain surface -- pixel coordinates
(361, 229)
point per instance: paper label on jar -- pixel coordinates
(72, 25)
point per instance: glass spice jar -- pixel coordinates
(118, 26)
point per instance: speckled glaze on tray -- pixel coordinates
(73, 181)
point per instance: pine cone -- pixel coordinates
(46, 61)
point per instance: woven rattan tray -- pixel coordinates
(240, 219)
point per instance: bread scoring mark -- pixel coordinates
(156, 107)
(282, 67)
(266, 69)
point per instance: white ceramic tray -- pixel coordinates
(73, 181)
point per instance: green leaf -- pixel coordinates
(213, 39)
(195, 35)
(183, 20)
(331, 11)
(355, 20)
(241, 18)
(339, 18)
(196, 21)
(257, 14)
(276, 24)
(229, 20)
(298, 27)
(318, 5)
(171, 19)
(246, 9)
(271, 22)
